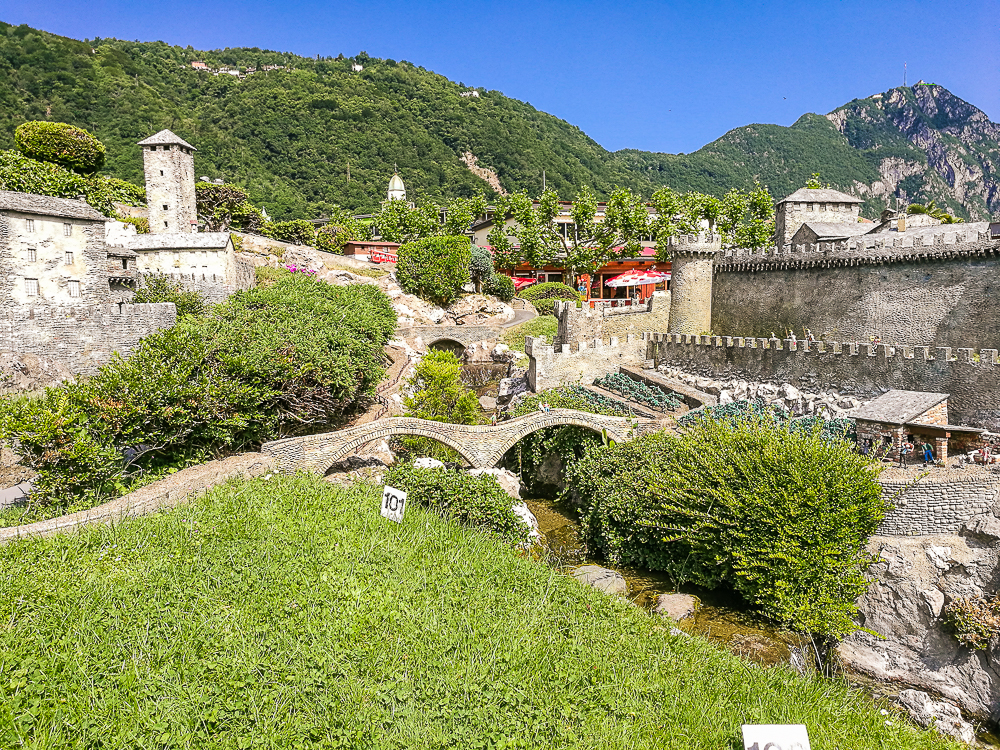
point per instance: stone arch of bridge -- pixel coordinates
(448, 344)
(337, 452)
(519, 435)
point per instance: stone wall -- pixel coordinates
(933, 289)
(40, 346)
(971, 378)
(591, 319)
(160, 495)
(582, 361)
(939, 503)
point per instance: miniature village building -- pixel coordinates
(52, 251)
(822, 205)
(895, 417)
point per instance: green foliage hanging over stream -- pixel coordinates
(780, 515)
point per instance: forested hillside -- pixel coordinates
(316, 133)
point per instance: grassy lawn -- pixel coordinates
(543, 325)
(287, 614)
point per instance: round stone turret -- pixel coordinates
(692, 259)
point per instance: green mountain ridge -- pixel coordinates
(316, 133)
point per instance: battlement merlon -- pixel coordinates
(983, 357)
(703, 243)
(870, 249)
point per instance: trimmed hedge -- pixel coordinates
(544, 296)
(477, 501)
(434, 268)
(160, 288)
(62, 144)
(501, 287)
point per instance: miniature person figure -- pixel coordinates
(928, 453)
(905, 449)
(809, 336)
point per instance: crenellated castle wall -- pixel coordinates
(935, 288)
(43, 345)
(550, 366)
(971, 377)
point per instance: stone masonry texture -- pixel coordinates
(939, 503)
(971, 378)
(161, 495)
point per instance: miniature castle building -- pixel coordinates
(813, 204)
(884, 424)
(397, 190)
(692, 259)
(52, 252)
(812, 232)
(168, 161)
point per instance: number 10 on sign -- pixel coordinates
(393, 504)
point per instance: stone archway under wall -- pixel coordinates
(483, 446)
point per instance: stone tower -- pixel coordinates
(692, 259)
(169, 165)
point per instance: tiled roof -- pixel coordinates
(46, 205)
(180, 241)
(820, 195)
(165, 138)
(898, 407)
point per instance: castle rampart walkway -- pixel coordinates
(481, 445)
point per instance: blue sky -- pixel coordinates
(658, 76)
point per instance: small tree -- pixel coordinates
(438, 392)
(434, 268)
(161, 289)
(481, 267)
(222, 207)
(341, 229)
(61, 144)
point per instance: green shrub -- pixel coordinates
(544, 296)
(278, 360)
(159, 288)
(480, 266)
(501, 287)
(434, 268)
(477, 501)
(23, 175)
(780, 516)
(62, 144)
(223, 207)
(140, 223)
(331, 238)
(438, 393)
(975, 621)
(296, 232)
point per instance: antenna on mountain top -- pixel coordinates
(904, 75)
(543, 180)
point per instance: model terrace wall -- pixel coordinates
(587, 321)
(80, 339)
(972, 378)
(938, 290)
(937, 504)
(582, 361)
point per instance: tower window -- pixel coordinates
(164, 224)
(69, 258)
(161, 173)
(31, 287)
(32, 255)
(29, 225)
(165, 207)
(67, 230)
(74, 289)
(125, 263)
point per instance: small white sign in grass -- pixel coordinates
(775, 737)
(394, 504)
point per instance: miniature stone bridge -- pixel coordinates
(481, 445)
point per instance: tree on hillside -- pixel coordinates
(542, 234)
(222, 207)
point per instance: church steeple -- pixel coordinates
(397, 190)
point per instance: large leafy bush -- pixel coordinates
(20, 174)
(160, 288)
(478, 501)
(281, 360)
(435, 268)
(781, 516)
(60, 143)
(544, 296)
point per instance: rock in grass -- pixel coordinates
(676, 606)
(602, 579)
(944, 717)
(428, 463)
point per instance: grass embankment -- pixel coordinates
(287, 613)
(544, 325)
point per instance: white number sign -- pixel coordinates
(775, 737)
(394, 503)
